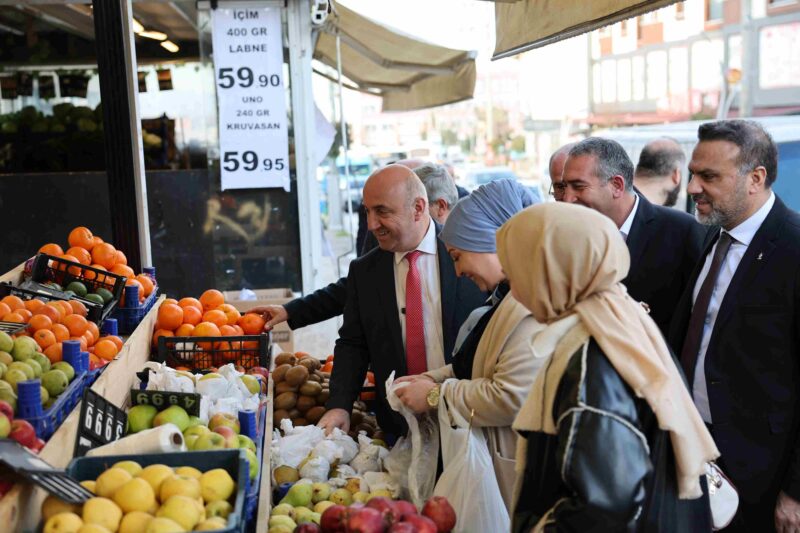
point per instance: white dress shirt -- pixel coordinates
(742, 237)
(626, 226)
(428, 266)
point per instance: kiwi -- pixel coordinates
(323, 396)
(279, 374)
(315, 378)
(282, 387)
(287, 400)
(310, 388)
(356, 417)
(365, 427)
(326, 374)
(299, 422)
(304, 403)
(297, 375)
(285, 358)
(361, 406)
(310, 363)
(314, 414)
(279, 415)
(294, 413)
(319, 374)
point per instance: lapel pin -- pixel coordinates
(760, 256)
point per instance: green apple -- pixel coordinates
(190, 441)
(174, 414)
(140, 417)
(24, 348)
(209, 441)
(253, 460)
(194, 421)
(5, 357)
(34, 364)
(66, 368)
(8, 396)
(6, 342)
(14, 376)
(24, 368)
(196, 431)
(251, 383)
(43, 361)
(247, 443)
(224, 419)
(210, 375)
(55, 381)
(3, 368)
(45, 395)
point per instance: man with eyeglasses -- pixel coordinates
(556, 169)
(664, 244)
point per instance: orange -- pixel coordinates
(252, 324)
(33, 305)
(4, 309)
(90, 338)
(53, 352)
(81, 236)
(51, 249)
(94, 330)
(132, 283)
(106, 349)
(66, 309)
(184, 330)
(123, 270)
(161, 333)
(216, 316)
(13, 302)
(121, 259)
(96, 240)
(228, 331)
(81, 254)
(40, 322)
(44, 338)
(170, 301)
(104, 254)
(24, 313)
(192, 315)
(13, 317)
(238, 328)
(211, 299)
(51, 311)
(78, 308)
(231, 312)
(147, 283)
(116, 340)
(327, 367)
(60, 331)
(74, 270)
(76, 324)
(96, 362)
(206, 329)
(82, 341)
(170, 316)
(90, 275)
(191, 302)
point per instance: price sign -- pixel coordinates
(101, 422)
(248, 68)
(190, 401)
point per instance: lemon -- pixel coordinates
(53, 505)
(132, 467)
(109, 481)
(135, 522)
(212, 524)
(90, 485)
(179, 485)
(103, 512)
(155, 475)
(135, 495)
(63, 523)
(216, 484)
(182, 510)
(188, 471)
(164, 525)
(93, 528)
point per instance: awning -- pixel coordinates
(528, 24)
(407, 72)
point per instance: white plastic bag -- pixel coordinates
(468, 480)
(412, 461)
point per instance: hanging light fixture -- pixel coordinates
(170, 46)
(137, 26)
(156, 35)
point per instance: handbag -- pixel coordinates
(723, 498)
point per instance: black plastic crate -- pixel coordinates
(47, 294)
(11, 327)
(202, 353)
(48, 268)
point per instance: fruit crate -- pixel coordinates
(50, 419)
(251, 504)
(130, 317)
(47, 294)
(11, 327)
(48, 268)
(201, 353)
(234, 461)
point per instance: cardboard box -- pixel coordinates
(281, 334)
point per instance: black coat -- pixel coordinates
(609, 468)
(371, 336)
(664, 245)
(752, 367)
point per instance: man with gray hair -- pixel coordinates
(664, 244)
(658, 173)
(441, 190)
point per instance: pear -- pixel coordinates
(211, 524)
(216, 484)
(380, 493)
(285, 474)
(283, 509)
(219, 508)
(320, 492)
(322, 506)
(282, 520)
(353, 485)
(342, 497)
(360, 497)
(302, 515)
(299, 495)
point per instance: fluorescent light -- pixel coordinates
(169, 45)
(137, 26)
(157, 35)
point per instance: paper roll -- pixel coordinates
(161, 439)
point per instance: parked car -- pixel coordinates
(360, 170)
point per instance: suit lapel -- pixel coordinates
(388, 303)
(639, 236)
(448, 282)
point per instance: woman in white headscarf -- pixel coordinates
(493, 359)
(611, 440)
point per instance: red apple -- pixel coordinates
(38, 444)
(260, 370)
(307, 528)
(22, 431)
(7, 410)
(333, 519)
(365, 520)
(403, 527)
(441, 512)
(224, 419)
(231, 438)
(386, 508)
(422, 523)
(404, 508)
(5, 486)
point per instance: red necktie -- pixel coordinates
(416, 358)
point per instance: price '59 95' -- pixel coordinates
(249, 161)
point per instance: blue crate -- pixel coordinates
(86, 468)
(253, 489)
(130, 317)
(49, 421)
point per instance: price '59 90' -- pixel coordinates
(249, 161)
(244, 77)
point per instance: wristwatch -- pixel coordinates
(433, 396)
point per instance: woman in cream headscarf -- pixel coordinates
(611, 439)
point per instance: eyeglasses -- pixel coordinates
(557, 188)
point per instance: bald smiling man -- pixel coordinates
(404, 303)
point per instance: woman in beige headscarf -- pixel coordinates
(611, 440)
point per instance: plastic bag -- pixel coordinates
(468, 480)
(296, 444)
(316, 469)
(412, 461)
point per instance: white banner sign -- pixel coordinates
(248, 68)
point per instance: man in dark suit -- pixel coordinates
(405, 303)
(664, 244)
(737, 326)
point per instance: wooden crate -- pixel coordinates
(14, 275)
(265, 496)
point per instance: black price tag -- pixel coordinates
(101, 422)
(190, 401)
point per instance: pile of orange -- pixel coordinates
(89, 249)
(369, 380)
(208, 316)
(52, 323)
